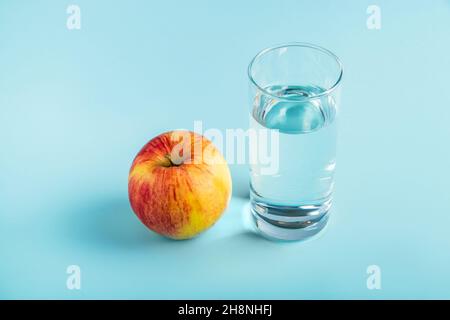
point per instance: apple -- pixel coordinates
(179, 184)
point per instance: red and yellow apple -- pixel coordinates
(179, 184)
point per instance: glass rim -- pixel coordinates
(297, 44)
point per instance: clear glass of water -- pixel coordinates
(294, 90)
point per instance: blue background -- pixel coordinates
(77, 105)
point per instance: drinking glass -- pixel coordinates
(294, 92)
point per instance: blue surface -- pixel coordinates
(76, 106)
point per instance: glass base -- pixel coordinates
(289, 223)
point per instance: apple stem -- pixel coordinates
(171, 162)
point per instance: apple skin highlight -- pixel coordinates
(179, 197)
